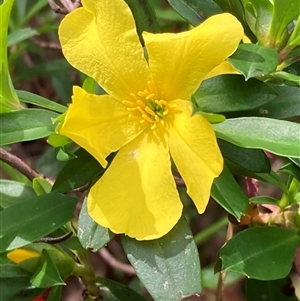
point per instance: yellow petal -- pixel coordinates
(223, 68)
(179, 62)
(137, 194)
(99, 124)
(19, 255)
(100, 40)
(195, 151)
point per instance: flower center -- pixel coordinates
(144, 106)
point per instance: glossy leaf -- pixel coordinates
(254, 60)
(8, 98)
(47, 213)
(115, 291)
(40, 101)
(194, 11)
(169, 266)
(55, 294)
(229, 194)
(263, 253)
(46, 275)
(77, 172)
(264, 200)
(227, 93)
(12, 192)
(90, 234)
(25, 125)
(41, 186)
(20, 35)
(254, 160)
(276, 136)
(295, 79)
(286, 105)
(284, 13)
(275, 290)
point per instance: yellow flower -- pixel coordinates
(146, 115)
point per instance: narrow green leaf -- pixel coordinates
(227, 93)
(8, 98)
(55, 293)
(276, 136)
(144, 16)
(284, 13)
(291, 169)
(90, 234)
(286, 105)
(20, 35)
(288, 77)
(25, 222)
(25, 125)
(117, 291)
(264, 200)
(169, 266)
(46, 274)
(41, 186)
(254, 60)
(77, 172)
(254, 160)
(12, 192)
(40, 101)
(263, 253)
(275, 290)
(229, 194)
(194, 11)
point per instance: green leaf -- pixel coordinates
(264, 200)
(8, 98)
(12, 192)
(276, 290)
(40, 101)
(92, 235)
(286, 105)
(46, 274)
(254, 160)
(263, 253)
(20, 35)
(41, 186)
(25, 222)
(117, 291)
(284, 13)
(229, 194)
(25, 125)
(77, 172)
(194, 11)
(291, 169)
(169, 266)
(295, 79)
(259, 14)
(276, 136)
(144, 16)
(227, 93)
(55, 293)
(254, 60)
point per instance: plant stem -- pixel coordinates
(208, 232)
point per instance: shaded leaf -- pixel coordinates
(272, 246)
(92, 235)
(229, 194)
(25, 125)
(254, 160)
(169, 266)
(254, 60)
(20, 35)
(25, 222)
(227, 93)
(117, 291)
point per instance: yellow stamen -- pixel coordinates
(153, 126)
(133, 96)
(141, 103)
(149, 111)
(128, 103)
(150, 96)
(147, 118)
(141, 110)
